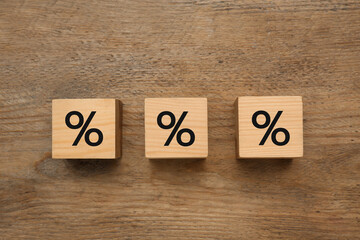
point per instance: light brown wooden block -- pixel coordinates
(106, 118)
(252, 127)
(193, 114)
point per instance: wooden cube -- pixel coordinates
(269, 127)
(86, 128)
(176, 128)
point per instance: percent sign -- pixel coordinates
(176, 128)
(271, 127)
(84, 127)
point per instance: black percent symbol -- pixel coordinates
(176, 130)
(83, 128)
(271, 127)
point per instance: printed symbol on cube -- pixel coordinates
(86, 128)
(269, 127)
(176, 128)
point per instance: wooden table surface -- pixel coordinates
(216, 49)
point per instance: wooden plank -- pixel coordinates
(132, 50)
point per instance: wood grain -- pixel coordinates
(131, 50)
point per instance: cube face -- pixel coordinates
(269, 127)
(86, 128)
(176, 128)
